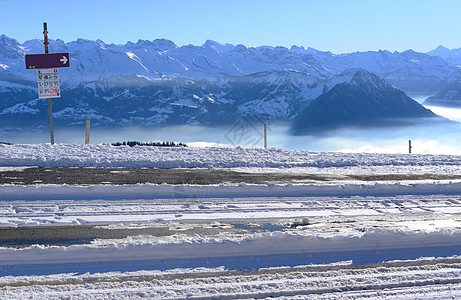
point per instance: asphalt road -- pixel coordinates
(68, 235)
(120, 176)
(19, 237)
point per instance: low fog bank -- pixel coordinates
(426, 138)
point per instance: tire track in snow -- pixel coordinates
(402, 278)
(26, 213)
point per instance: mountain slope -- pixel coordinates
(359, 98)
(450, 96)
(134, 100)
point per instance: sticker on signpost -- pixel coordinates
(48, 83)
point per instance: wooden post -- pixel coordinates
(50, 109)
(87, 132)
(409, 146)
(265, 136)
(45, 35)
(50, 113)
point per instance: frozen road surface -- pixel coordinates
(282, 224)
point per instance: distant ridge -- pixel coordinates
(450, 96)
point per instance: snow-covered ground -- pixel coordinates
(322, 240)
(72, 155)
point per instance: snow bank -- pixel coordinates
(68, 155)
(266, 243)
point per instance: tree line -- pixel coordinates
(155, 144)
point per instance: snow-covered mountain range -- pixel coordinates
(154, 83)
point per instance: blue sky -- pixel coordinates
(335, 25)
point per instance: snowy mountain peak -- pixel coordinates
(439, 51)
(445, 53)
(98, 41)
(218, 46)
(441, 48)
(409, 51)
(157, 44)
(85, 41)
(10, 48)
(7, 40)
(355, 76)
(241, 48)
(8, 44)
(359, 98)
(164, 44)
(34, 46)
(298, 49)
(352, 72)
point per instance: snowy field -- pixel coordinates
(338, 239)
(69, 155)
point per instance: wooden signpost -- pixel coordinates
(47, 65)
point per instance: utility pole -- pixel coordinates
(409, 146)
(50, 108)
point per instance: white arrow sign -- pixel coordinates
(63, 60)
